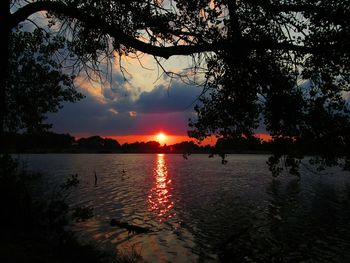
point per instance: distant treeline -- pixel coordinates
(49, 142)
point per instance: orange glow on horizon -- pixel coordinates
(161, 138)
(264, 136)
(168, 139)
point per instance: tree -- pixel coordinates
(297, 92)
(284, 64)
(35, 84)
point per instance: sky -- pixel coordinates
(134, 110)
(133, 106)
(136, 106)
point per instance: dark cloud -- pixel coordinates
(90, 117)
(177, 98)
(158, 109)
(118, 88)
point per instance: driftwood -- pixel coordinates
(131, 228)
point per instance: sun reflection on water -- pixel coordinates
(159, 198)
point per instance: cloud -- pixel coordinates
(90, 117)
(132, 113)
(113, 111)
(89, 88)
(118, 111)
(179, 97)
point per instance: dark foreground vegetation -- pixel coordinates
(34, 225)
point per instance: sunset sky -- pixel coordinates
(133, 110)
(136, 109)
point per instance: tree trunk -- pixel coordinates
(5, 31)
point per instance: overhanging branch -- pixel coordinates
(97, 23)
(159, 51)
(280, 8)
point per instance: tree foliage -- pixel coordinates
(298, 95)
(36, 83)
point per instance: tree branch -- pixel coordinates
(236, 45)
(284, 7)
(97, 23)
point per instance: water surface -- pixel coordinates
(203, 211)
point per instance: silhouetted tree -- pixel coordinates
(185, 147)
(98, 144)
(141, 147)
(284, 64)
(238, 145)
(38, 142)
(35, 84)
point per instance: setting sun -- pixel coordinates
(161, 138)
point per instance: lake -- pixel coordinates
(202, 211)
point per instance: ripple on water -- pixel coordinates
(194, 205)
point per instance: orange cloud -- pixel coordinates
(132, 113)
(91, 87)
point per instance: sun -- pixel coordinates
(161, 137)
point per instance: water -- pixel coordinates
(202, 211)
